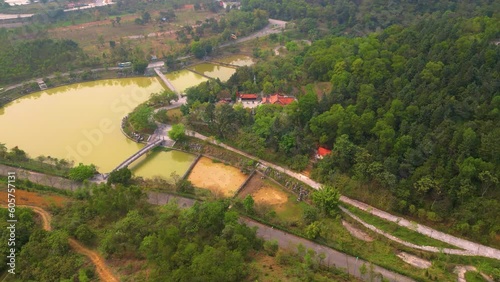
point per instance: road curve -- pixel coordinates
(285, 240)
(102, 269)
(472, 247)
(350, 264)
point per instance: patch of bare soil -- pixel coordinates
(270, 195)
(414, 260)
(219, 178)
(264, 193)
(361, 235)
(102, 269)
(34, 199)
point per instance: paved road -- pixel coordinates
(14, 16)
(406, 243)
(332, 257)
(285, 240)
(471, 247)
(53, 75)
(274, 26)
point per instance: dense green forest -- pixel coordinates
(413, 114)
(28, 59)
(362, 16)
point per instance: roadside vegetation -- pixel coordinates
(203, 242)
(16, 157)
(427, 148)
(396, 230)
(405, 96)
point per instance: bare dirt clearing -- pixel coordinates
(102, 269)
(217, 177)
(34, 199)
(268, 194)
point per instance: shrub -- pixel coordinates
(271, 247)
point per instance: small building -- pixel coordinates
(231, 5)
(322, 152)
(246, 97)
(278, 99)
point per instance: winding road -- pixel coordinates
(472, 248)
(285, 240)
(102, 269)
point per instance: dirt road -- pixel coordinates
(103, 271)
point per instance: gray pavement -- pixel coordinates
(285, 240)
(472, 248)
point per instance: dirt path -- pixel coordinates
(334, 258)
(470, 247)
(103, 271)
(46, 218)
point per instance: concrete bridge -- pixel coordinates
(166, 81)
(138, 154)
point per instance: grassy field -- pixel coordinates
(398, 231)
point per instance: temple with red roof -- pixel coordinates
(246, 96)
(278, 99)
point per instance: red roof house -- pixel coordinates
(322, 152)
(278, 99)
(247, 96)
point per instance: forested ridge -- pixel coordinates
(28, 59)
(363, 16)
(413, 115)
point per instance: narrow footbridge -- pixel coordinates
(166, 81)
(138, 154)
(224, 64)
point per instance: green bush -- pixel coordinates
(271, 247)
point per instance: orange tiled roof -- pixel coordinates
(248, 96)
(278, 99)
(323, 151)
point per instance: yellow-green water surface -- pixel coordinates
(81, 122)
(237, 60)
(214, 71)
(162, 164)
(184, 79)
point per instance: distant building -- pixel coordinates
(231, 5)
(322, 152)
(246, 96)
(278, 99)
